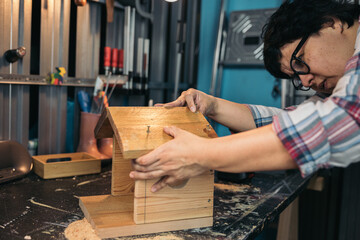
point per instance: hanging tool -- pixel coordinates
(107, 60)
(80, 3)
(114, 60)
(104, 98)
(121, 61)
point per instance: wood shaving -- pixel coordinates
(80, 230)
(232, 188)
(161, 237)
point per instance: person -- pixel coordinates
(316, 44)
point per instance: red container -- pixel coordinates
(114, 57)
(107, 56)
(121, 59)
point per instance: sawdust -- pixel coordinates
(160, 237)
(232, 188)
(80, 230)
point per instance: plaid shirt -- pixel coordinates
(321, 132)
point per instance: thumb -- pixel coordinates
(159, 105)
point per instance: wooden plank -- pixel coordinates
(121, 183)
(112, 217)
(193, 200)
(131, 124)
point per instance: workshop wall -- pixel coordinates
(243, 85)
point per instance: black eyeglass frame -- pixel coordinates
(297, 73)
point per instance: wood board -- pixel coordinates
(194, 200)
(130, 126)
(111, 217)
(121, 183)
(81, 163)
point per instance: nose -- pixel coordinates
(306, 79)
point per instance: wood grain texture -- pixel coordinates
(111, 217)
(130, 125)
(121, 183)
(136, 131)
(194, 200)
(80, 164)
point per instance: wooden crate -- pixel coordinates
(81, 163)
(132, 208)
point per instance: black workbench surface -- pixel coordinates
(33, 208)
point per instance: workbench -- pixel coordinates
(34, 208)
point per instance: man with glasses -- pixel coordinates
(315, 44)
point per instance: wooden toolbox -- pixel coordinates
(131, 208)
(66, 165)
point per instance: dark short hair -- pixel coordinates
(298, 18)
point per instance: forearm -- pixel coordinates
(233, 115)
(255, 150)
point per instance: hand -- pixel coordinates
(173, 162)
(195, 100)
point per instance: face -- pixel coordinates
(326, 53)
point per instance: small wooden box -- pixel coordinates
(81, 163)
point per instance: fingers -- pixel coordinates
(168, 180)
(189, 98)
(177, 183)
(159, 184)
(159, 105)
(146, 175)
(172, 131)
(177, 103)
(150, 157)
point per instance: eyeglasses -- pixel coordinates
(299, 67)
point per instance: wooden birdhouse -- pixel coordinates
(132, 208)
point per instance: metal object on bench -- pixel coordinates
(15, 161)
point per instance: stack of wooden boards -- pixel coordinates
(132, 209)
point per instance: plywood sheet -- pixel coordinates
(111, 217)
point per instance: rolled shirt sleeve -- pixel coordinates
(325, 133)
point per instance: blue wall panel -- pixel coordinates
(243, 85)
